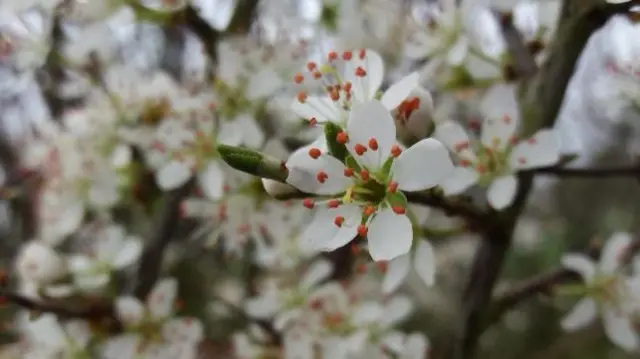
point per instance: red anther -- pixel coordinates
(396, 151)
(382, 265)
(347, 55)
(309, 203)
(360, 149)
(317, 75)
(362, 54)
(369, 210)
(322, 176)
(342, 137)
(338, 221)
(362, 230)
(348, 172)
(364, 174)
(398, 210)
(373, 144)
(298, 78)
(313, 121)
(311, 66)
(506, 119)
(334, 203)
(393, 187)
(314, 153)
(461, 146)
(332, 55)
(302, 97)
(361, 72)
(347, 87)
(532, 141)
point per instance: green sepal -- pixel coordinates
(337, 150)
(397, 199)
(386, 166)
(351, 162)
(253, 162)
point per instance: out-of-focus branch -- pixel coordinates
(164, 229)
(544, 284)
(541, 98)
(523, 62)
(53, 71)
(452, 206)
(622, 171)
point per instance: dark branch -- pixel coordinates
(623, 171)
(521, 59)
(451, 206)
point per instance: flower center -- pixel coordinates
(231, 101)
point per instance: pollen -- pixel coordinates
(362, 230)
(322, 176)
(338, 221)
(308, 202)
(342, 138)
(359, 149)
(314, 153)
(373, 144)
(302, 97)
(396, 151)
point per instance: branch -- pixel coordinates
(165, 226)
(521, 59)
(96, 311)
(623, 171)
(452, 206)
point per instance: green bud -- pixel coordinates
(253, 162)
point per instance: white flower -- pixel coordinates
(607, 291)
(498, 155)
(365, 195)
(24, 38)
(154, 321)
(39, 263)
(286, 305)
(349, 78)
(423, 260)
(112, 251)
(69, 340)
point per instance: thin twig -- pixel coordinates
(623, 171)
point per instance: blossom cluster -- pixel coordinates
(319, 172)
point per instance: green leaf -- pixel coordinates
(253, 162)
(337, 150)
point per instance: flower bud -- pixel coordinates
(415, 124)
(277, 189)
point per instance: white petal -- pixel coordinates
(542, 150)
(128, 254)
(286, 318)
(497, 132)
(318, 271)
(453, 135)
(79, 331)
(298, 345)
(371, 120)
(502, 192)
(265, 83)
(460, 179)
(230, 133)
(322, 234)
(303, 174)
(129, 310)
(415, 347)
(252, 134)
(173, 175)
(424, 165)
(323, 109)
(580, 264)
(367, 313)
(218, 14)
(397, 271)
(613, 250)
(390, 235)
(458, 52)
(211, 180)
(47, 330)
(162, 298)
(396, 310)
(366, 88)
(263, 307)
(400, 90)
(425, 262)
(580, 316)
(620, 330)
(393, 341)
(183, 329)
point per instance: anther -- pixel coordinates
(373, 144)
(338, 221)
(322, 176)
(359, 149)
(308, 202)
(342, 137)
(314, 153)
(398, 209)
(396, 151)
